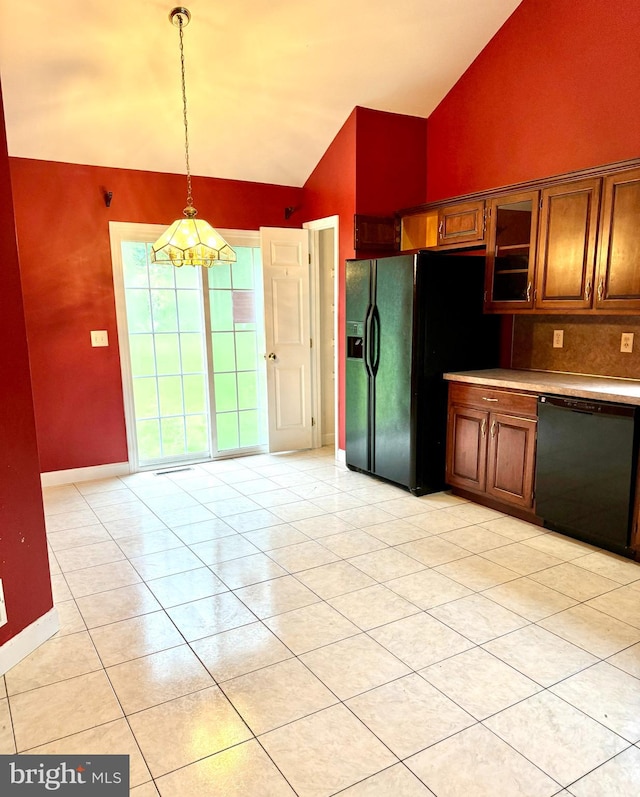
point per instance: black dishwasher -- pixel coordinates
(586, 468)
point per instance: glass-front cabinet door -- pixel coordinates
(511, 238)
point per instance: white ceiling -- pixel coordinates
(269, 82)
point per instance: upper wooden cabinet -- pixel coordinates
(448, 227)
(617, 286)
(512, 224)
(419, 230)
(567, 245)
(461, 224)
(374, 233)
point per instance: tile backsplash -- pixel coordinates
(591, 344)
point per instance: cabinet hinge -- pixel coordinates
(310, 343)
(313, 421)
(309, 256)
(540, 203)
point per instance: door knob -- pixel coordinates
(270, 356)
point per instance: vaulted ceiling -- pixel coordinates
(269, 82)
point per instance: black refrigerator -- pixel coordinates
(410, 318)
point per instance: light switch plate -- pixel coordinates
(99, 337)
(558, 338)
(626, 342)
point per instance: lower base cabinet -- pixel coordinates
(491, 439)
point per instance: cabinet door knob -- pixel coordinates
(587, 291)
(600, 289)
(529, 291)
(483, 427)
(494, 427)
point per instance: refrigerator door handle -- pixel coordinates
(368, 319)
(375, 341)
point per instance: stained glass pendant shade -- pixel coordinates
(189, 241)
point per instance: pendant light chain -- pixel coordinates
(184, 114)
(189, 241)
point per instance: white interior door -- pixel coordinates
(285, 260)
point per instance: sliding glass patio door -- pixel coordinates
(191, 343)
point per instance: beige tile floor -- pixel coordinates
(278, 625)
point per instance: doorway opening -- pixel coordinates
(324, 248)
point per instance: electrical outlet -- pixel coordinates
(558, 338)
(3, 607)
(626, 342)
(99, 337)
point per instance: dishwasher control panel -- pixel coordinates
(586, 405)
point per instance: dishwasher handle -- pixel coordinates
(588, 406)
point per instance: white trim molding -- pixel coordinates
(54, 478)
(30, 638)
(314, 227)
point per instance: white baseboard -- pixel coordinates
(55, 478)
(30, 638)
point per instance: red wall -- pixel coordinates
(556, 89)
(65, 259)
(331, 188)
(24, 566)
(391, 162)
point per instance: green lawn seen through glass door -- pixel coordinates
(169, 359)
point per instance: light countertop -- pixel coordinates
(601, 388)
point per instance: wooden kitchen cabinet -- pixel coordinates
(419, 230)
(512, 226)
(491, 436)
(374, 233)
(565, 265)
(446, 227)
(462, 223)
(618, 275)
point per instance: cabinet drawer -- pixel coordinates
(493, 399)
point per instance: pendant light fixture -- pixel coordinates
(189, 241)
